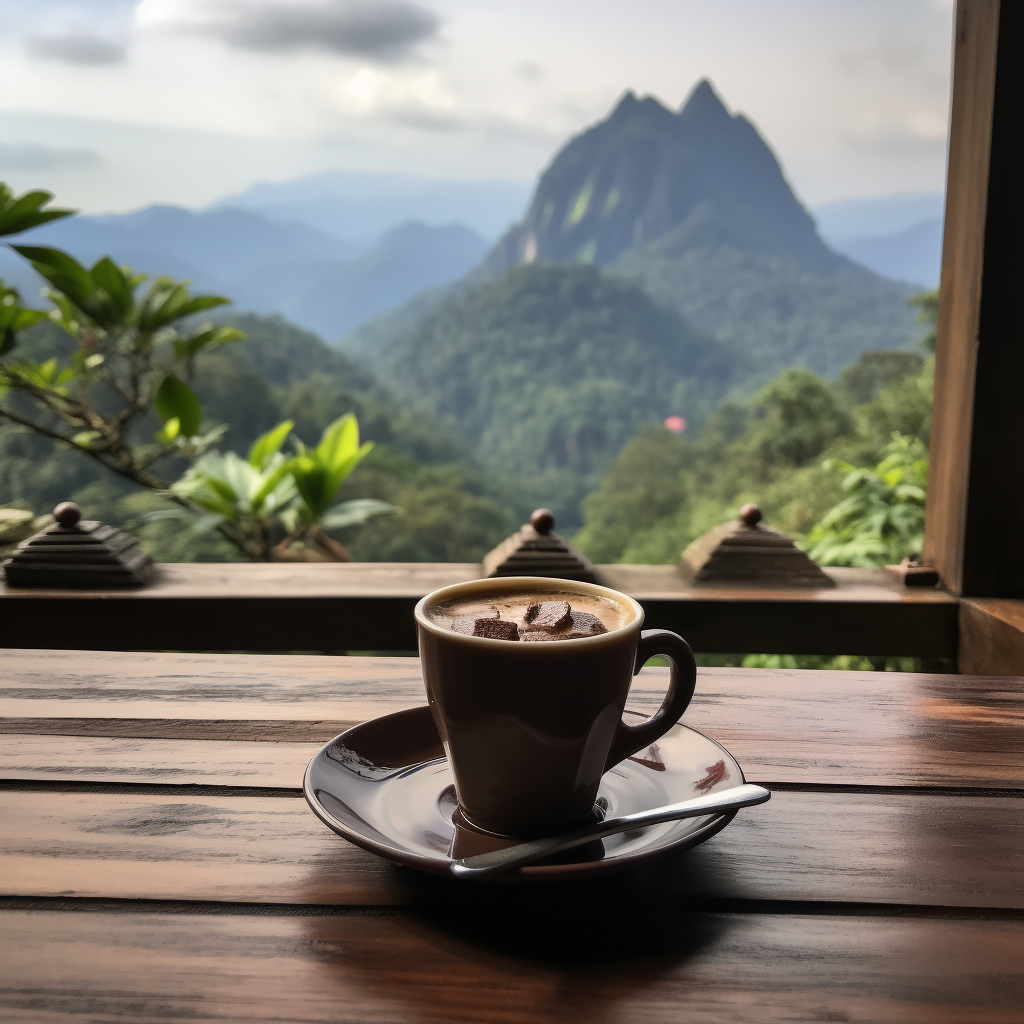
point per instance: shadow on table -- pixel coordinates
(542, 952)
(652, 914)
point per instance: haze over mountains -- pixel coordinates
(897, 236)
(317, 280)
(356, 205)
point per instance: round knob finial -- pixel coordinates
(750, 514)
(543, 520)
(67, 513)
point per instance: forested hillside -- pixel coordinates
(771, 308)
(549, 370)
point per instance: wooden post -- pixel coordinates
(975, 524)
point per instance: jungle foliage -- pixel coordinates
(841, 465)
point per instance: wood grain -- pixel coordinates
(929, 850)
(172, 762)
(605, 966)
(852, 728)
(368, 606)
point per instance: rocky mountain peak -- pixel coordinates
(647, 171)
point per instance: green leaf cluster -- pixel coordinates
(881, 519)
(267, 501)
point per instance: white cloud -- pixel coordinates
(852, 97)
(383, 30)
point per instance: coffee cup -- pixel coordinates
(530, 728)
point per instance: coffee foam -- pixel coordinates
(513, 605)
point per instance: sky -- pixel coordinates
(115, 104)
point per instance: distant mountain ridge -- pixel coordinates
(898, 236)
(320, 282)
(359, 205)
(913, 254)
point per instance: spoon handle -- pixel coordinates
(513, 856)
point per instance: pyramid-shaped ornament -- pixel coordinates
(743, 551)
(536, 551)
(78, 554)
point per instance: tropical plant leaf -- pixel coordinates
(63, 271)
(175, 399)
(26, 211)
(169, 431)
(353, 512)
(209, 337)
(108, 276)
(269, 444)
(338, 441)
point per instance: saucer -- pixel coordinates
(386, 786)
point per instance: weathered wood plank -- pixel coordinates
(854, 728)
(174, 762)
(368, 606)
(603, 964)
(932, 850)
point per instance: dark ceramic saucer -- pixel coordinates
(386, 786)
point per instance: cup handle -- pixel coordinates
(682, 681)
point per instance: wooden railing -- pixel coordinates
(368, 607)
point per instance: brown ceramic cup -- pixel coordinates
(530, 728)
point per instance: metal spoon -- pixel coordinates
(493, 863)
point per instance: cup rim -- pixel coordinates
(550, 583)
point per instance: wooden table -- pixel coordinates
(157, 862)
(367, 606)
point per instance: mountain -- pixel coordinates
(645, 170)
(318, 281)
(549, 370)
(350, 204)
(694, 206)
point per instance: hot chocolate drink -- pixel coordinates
(530, 728)
(530, 617)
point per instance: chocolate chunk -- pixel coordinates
(585, 624)
(496, 629)
(581, 624)
(550, 615)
